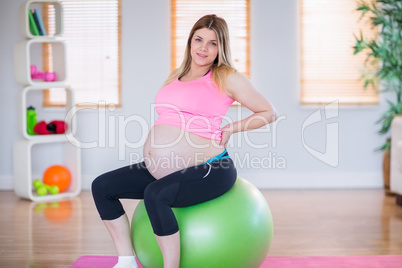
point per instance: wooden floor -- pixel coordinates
(306, 223)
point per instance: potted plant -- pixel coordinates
(385, 49)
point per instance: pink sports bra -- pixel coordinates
(196, 106)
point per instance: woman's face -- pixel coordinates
(204, 47)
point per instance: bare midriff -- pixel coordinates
(168, 149)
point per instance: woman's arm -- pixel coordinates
(244, 92)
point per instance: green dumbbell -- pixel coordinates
(36, 183)
(53, 189)
(40, 187)
(43, 189)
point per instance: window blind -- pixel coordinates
(329, 70)
(236, 14)
(92, 34)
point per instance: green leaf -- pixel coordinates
(383, 61)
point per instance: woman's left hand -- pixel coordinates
(227, 131)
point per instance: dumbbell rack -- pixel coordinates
(23, 58)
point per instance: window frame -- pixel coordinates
(302, 94)
(47, 65)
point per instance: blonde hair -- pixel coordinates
(222, 65)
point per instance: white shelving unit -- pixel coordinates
(26, 53)
(23, 169)
(23, 59)
(24, 18)
(23, 104)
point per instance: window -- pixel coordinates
(92, 33)
(329, 70)
(235, 12)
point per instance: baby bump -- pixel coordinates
(169, 149)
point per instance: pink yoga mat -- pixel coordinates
(379, 261)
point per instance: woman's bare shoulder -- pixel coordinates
(235, 82)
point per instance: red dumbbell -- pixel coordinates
(54, 127)
(46, 76)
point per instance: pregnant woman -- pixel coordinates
(185, 157)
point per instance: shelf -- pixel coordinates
(23, 169)
(32, 4)
(48, 138)
(68, 118)
(62, 149)
(29, 52)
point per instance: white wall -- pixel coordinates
(274, 72)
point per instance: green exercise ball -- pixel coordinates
(232, 230)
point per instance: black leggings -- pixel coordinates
(186, 187)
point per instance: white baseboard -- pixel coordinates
(6, 182)
(275, 180)
(314, 180)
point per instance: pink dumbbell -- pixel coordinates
(46, 76)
